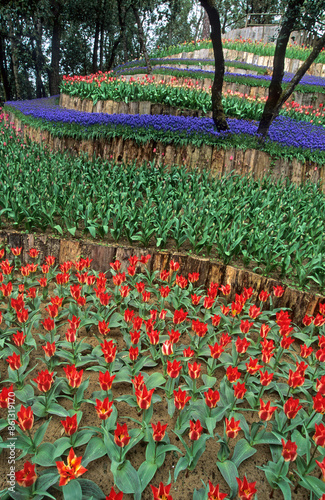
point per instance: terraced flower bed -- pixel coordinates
(146, 376)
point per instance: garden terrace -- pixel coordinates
(137, 348)
(257, 53)
(224, 219)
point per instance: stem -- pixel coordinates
(311, 458)
(30, 437)
(259, 395)
(310, 418)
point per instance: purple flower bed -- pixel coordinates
(283, 130)
(306, 80)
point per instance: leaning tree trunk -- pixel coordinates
(275, 89)
(38, 57)
(141, 38)
(218, 113)
(299, 74)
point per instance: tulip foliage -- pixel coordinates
(236, 374)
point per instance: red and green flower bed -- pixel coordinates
(137, 384)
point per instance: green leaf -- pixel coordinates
(242, 451)
(182, 464)
(47, 480)
(146, 472)
(57, 409)
(314, 484)
(45, 455)
(95, 449)
(25, 395)
(163, 448)
(126, 477)
(91, 490)
(155, 380)
(229, 472)
(72, 490)
(39, 434)
(285, 488)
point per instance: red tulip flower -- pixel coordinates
(211, 398)
(72, 470)
(246, 490)
(195, 430)
(144, 397)
(114, 496)
(106, 380)
(14, 361)
(25, 418)
(319, 436)
(291, 407)
(4, 396)
(232, 374)
(121, 435)
(278, 291)
(174, 368)
(194, 370)
(103, 408)
(16, 251)
(242, 345)
(109, 351)
(44, 380)
(103, 327)
(74, 377)
(289, 450)
(70, 424)
(239, 390)
(214, 493)
(19, 338)
(133, 353)
(322, 467)
(161, 493)
(232, 427)
(266, 378)
(216, 350)
(158, 431)
(48, 324)
(266, 411)
(27, 476)
(180, 399)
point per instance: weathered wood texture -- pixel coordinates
(221, 162)
(299, 302)
(316, 69)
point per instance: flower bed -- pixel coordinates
(300, 139)
(176, 376)
(253, 47)
(184, 93)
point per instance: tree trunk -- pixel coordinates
(54, 71)
(275, 89)
(3, 70)
(299, 74)
(38, 57)
(122, 22)
(101, 46)
(95, 51)
(218, 113)
(113, 53)
(206, 26)
(141, 38)
(14, 57)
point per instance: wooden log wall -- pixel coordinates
(291, 65)
(221, 162)
(299, 302)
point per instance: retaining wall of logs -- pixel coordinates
(300, 303)
(221, 162)
(291, 65)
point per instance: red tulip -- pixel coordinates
(25, 418)
(27, 476)
(104, 408)
(266, 411)
(180, 399)
(121, 435)
(70, 424)
(289, 450)
(72, 470)
(246, 490)
(161, 493)
(144, 397)
(158, 431)
(232, 427)
(214, 493)
(14, 361)
(44, 380)
(106, 380)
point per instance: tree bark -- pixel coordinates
(101, 47)
(14, 58)
(113, 53)
(38, 57)
(141, 38)
(95, 51)
(54, 72)
(206, 26)
(3, 71)
(299, 74)
(218, 113)
(275, 89)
